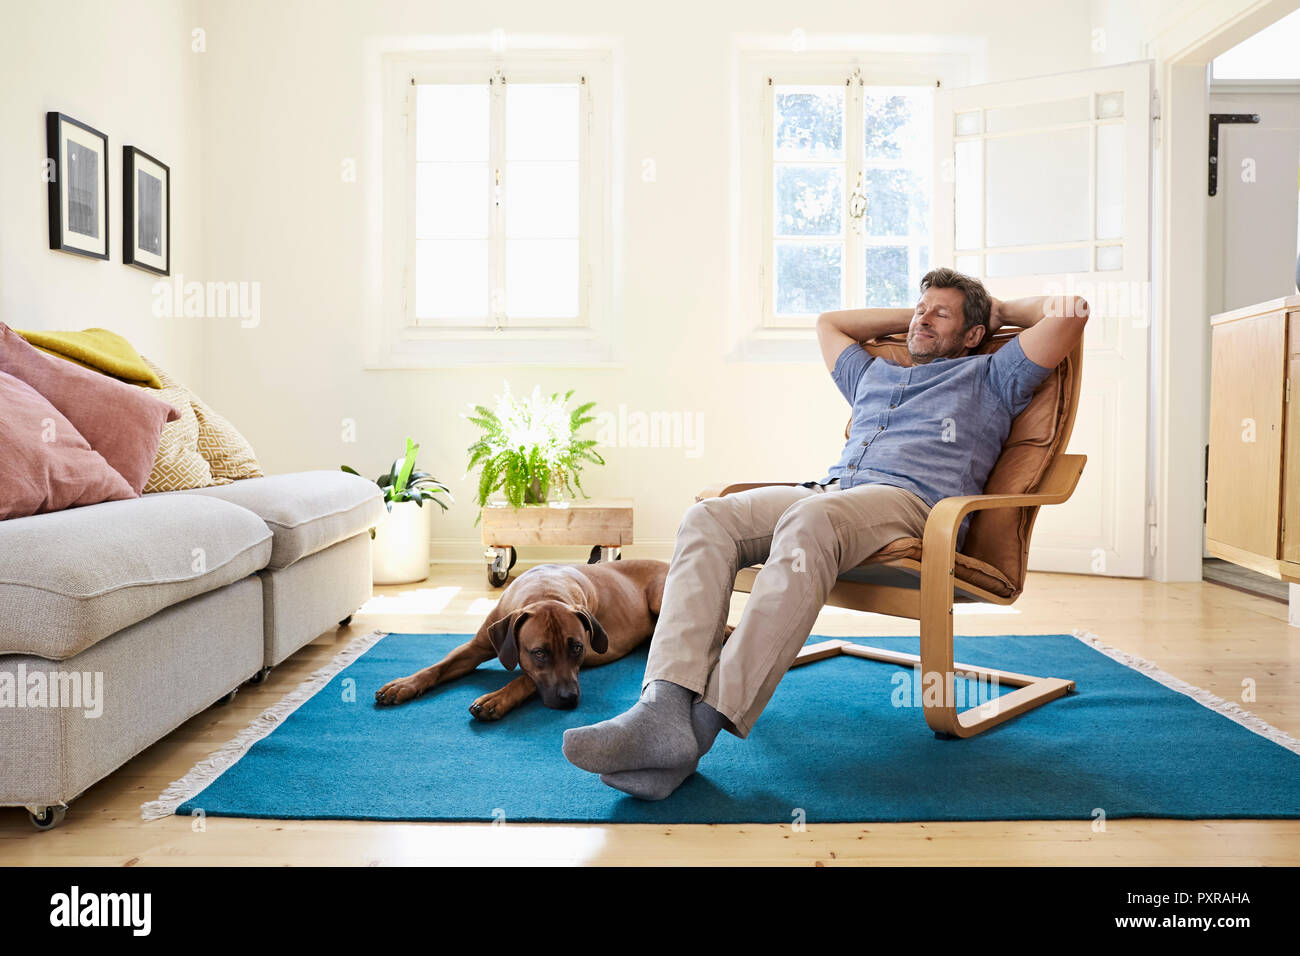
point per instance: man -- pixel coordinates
(919, 433)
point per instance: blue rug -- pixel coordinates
(830, 747)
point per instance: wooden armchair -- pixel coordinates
(923, 578)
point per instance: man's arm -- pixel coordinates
(836, 331)
(1052, 325)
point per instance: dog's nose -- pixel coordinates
(567, 699)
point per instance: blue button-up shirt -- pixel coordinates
(935, 429)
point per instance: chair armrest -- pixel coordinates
(718, 490)
(939, 545)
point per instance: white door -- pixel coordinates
(1042, 187)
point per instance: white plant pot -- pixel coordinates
(400, 551)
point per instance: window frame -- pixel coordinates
(758, 333)
(402, 340)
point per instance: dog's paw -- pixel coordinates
(398, 691)
(487, 707)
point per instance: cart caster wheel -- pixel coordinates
(594, 557)
(498, 571)
(944, 735)
(599, 554)
(261, 676)
(228, 697)
(47, 818)
(346, 621)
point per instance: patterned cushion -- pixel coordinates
(213, 453)
(179, 465)
(228, 453)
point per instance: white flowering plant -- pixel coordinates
(530, 445)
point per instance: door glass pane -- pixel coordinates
(451, 200)
(451, 122)
(1038, 262)
(542, 121)
(887, 281)
(542, 278)
(968, 265)
(542, 199)
(897, 124)
(808, 122)
(1110, 258)
(968, 193)
(1110, 181)
(1110, 105)
(451, 278)
(1039, 185)
(808, 277)
(1002, 119)
(809, 200)
(967, 124)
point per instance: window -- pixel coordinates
(497, 210)
(497, 217)
(849, 206)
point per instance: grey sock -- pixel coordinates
(655, 783)
(656, 732)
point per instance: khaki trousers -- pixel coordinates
(804, 538)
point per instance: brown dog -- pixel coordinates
(552, 620)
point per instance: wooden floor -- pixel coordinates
(1211, 636)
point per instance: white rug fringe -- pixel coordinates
(212, 767)
(1215, 703)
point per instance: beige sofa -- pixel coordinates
(136, 615)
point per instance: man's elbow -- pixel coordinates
(1079, 308)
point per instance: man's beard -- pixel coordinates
(932, 347)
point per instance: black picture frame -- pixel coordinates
(62, 241)
(131, 212)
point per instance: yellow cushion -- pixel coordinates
(99, 349)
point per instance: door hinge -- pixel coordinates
(1152, 528)
(1155, 119)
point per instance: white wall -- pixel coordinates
(126, 69)
(283, 106)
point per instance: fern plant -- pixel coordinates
(530, 446)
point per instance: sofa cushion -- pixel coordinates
(121, 422)
(227, 455)
(306, 511)
(72, 578)
(45, 463)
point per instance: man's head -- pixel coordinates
(951, 317)
(548, 639)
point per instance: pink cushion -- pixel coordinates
(47, 465)
(121, 422)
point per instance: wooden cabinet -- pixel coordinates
(1253, 507)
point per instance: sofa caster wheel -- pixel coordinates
(944, 735)
(228, 697)
(599, 554)
(46, 818)
(346, 621)
(260, 677)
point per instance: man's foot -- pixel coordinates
(656, 732)
(655, 783)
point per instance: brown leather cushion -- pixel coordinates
(998, 538)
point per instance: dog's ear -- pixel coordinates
(599, 639)
(502, 636)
